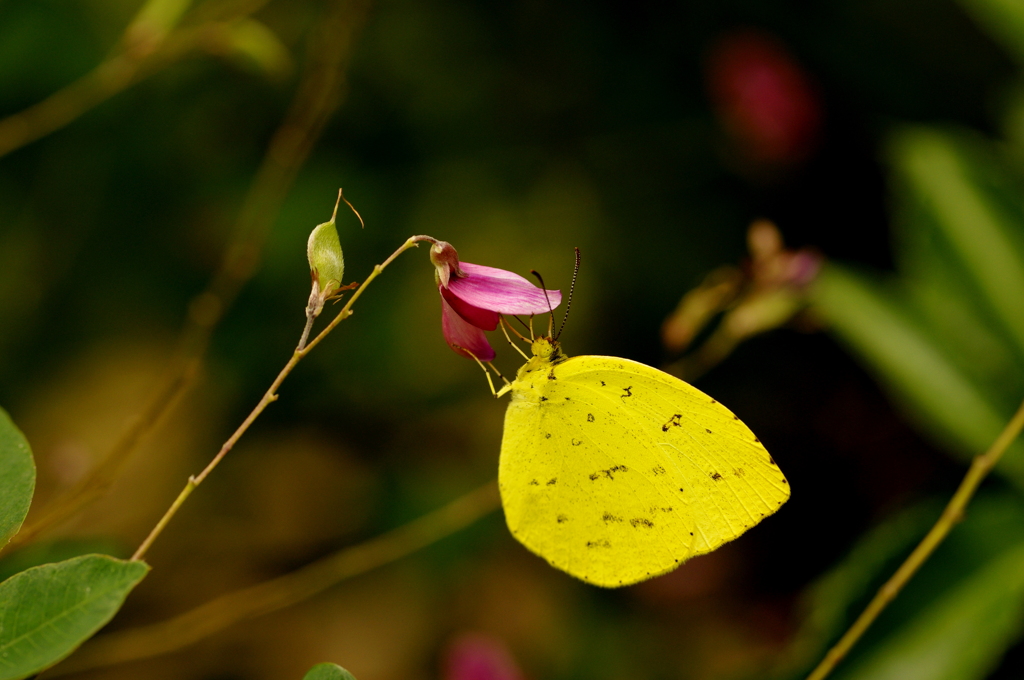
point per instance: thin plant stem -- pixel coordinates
(269, 397)
(951, 515)
(284, 591)
(317, 97)
(305, 332)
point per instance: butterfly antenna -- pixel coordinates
(523, 323)
(572, 287)
(551, 311)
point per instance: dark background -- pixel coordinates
(516, 131)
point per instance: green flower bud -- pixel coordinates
(326, 262)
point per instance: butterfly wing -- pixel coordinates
(616, 472)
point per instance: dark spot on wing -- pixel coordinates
(551, 482)
(715, 476)
(691, 533)
(567, 398)
(599, 544)
(735, 417)
(590, 417)
(628, 392)
(641, 522)
(543, 398)
(561, 519)
(757, 440)
(534, 482)
(610, 472)
(576, 442)
(680, 489)
(672, 422)
(784, 481)
(602, 383)
(551, 375)
(772, 461)
(713, 401)
(609, 517)
(708, 431)
(659, 470)
(547, 436)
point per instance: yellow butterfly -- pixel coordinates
(616, 472)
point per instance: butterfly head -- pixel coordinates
(548, 350)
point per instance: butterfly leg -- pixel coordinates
(507, 386)
(504, 329)
(486, 372)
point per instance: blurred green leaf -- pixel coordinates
(993, 527)
(876, 327)
(941, 293)
(17, 478)
(1001, 19)
(48, 611)
(964, 632)
(328, 671)
(979, 230)
(251, 42)
(830, 604)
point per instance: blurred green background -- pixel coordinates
(648, 135)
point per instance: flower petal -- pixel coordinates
(484, 319)
(461, 335)
(501, 291)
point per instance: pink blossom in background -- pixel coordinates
(476, 656)
(763, 98)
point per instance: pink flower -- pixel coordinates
(475, 656)
(764, 98)
(474, 297)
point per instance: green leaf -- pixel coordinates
(964, 632)
(979, 229)
(1002, 19)
(328, 671)
(873, 324)
(46, 612)
(17, 478)
(941, 295)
